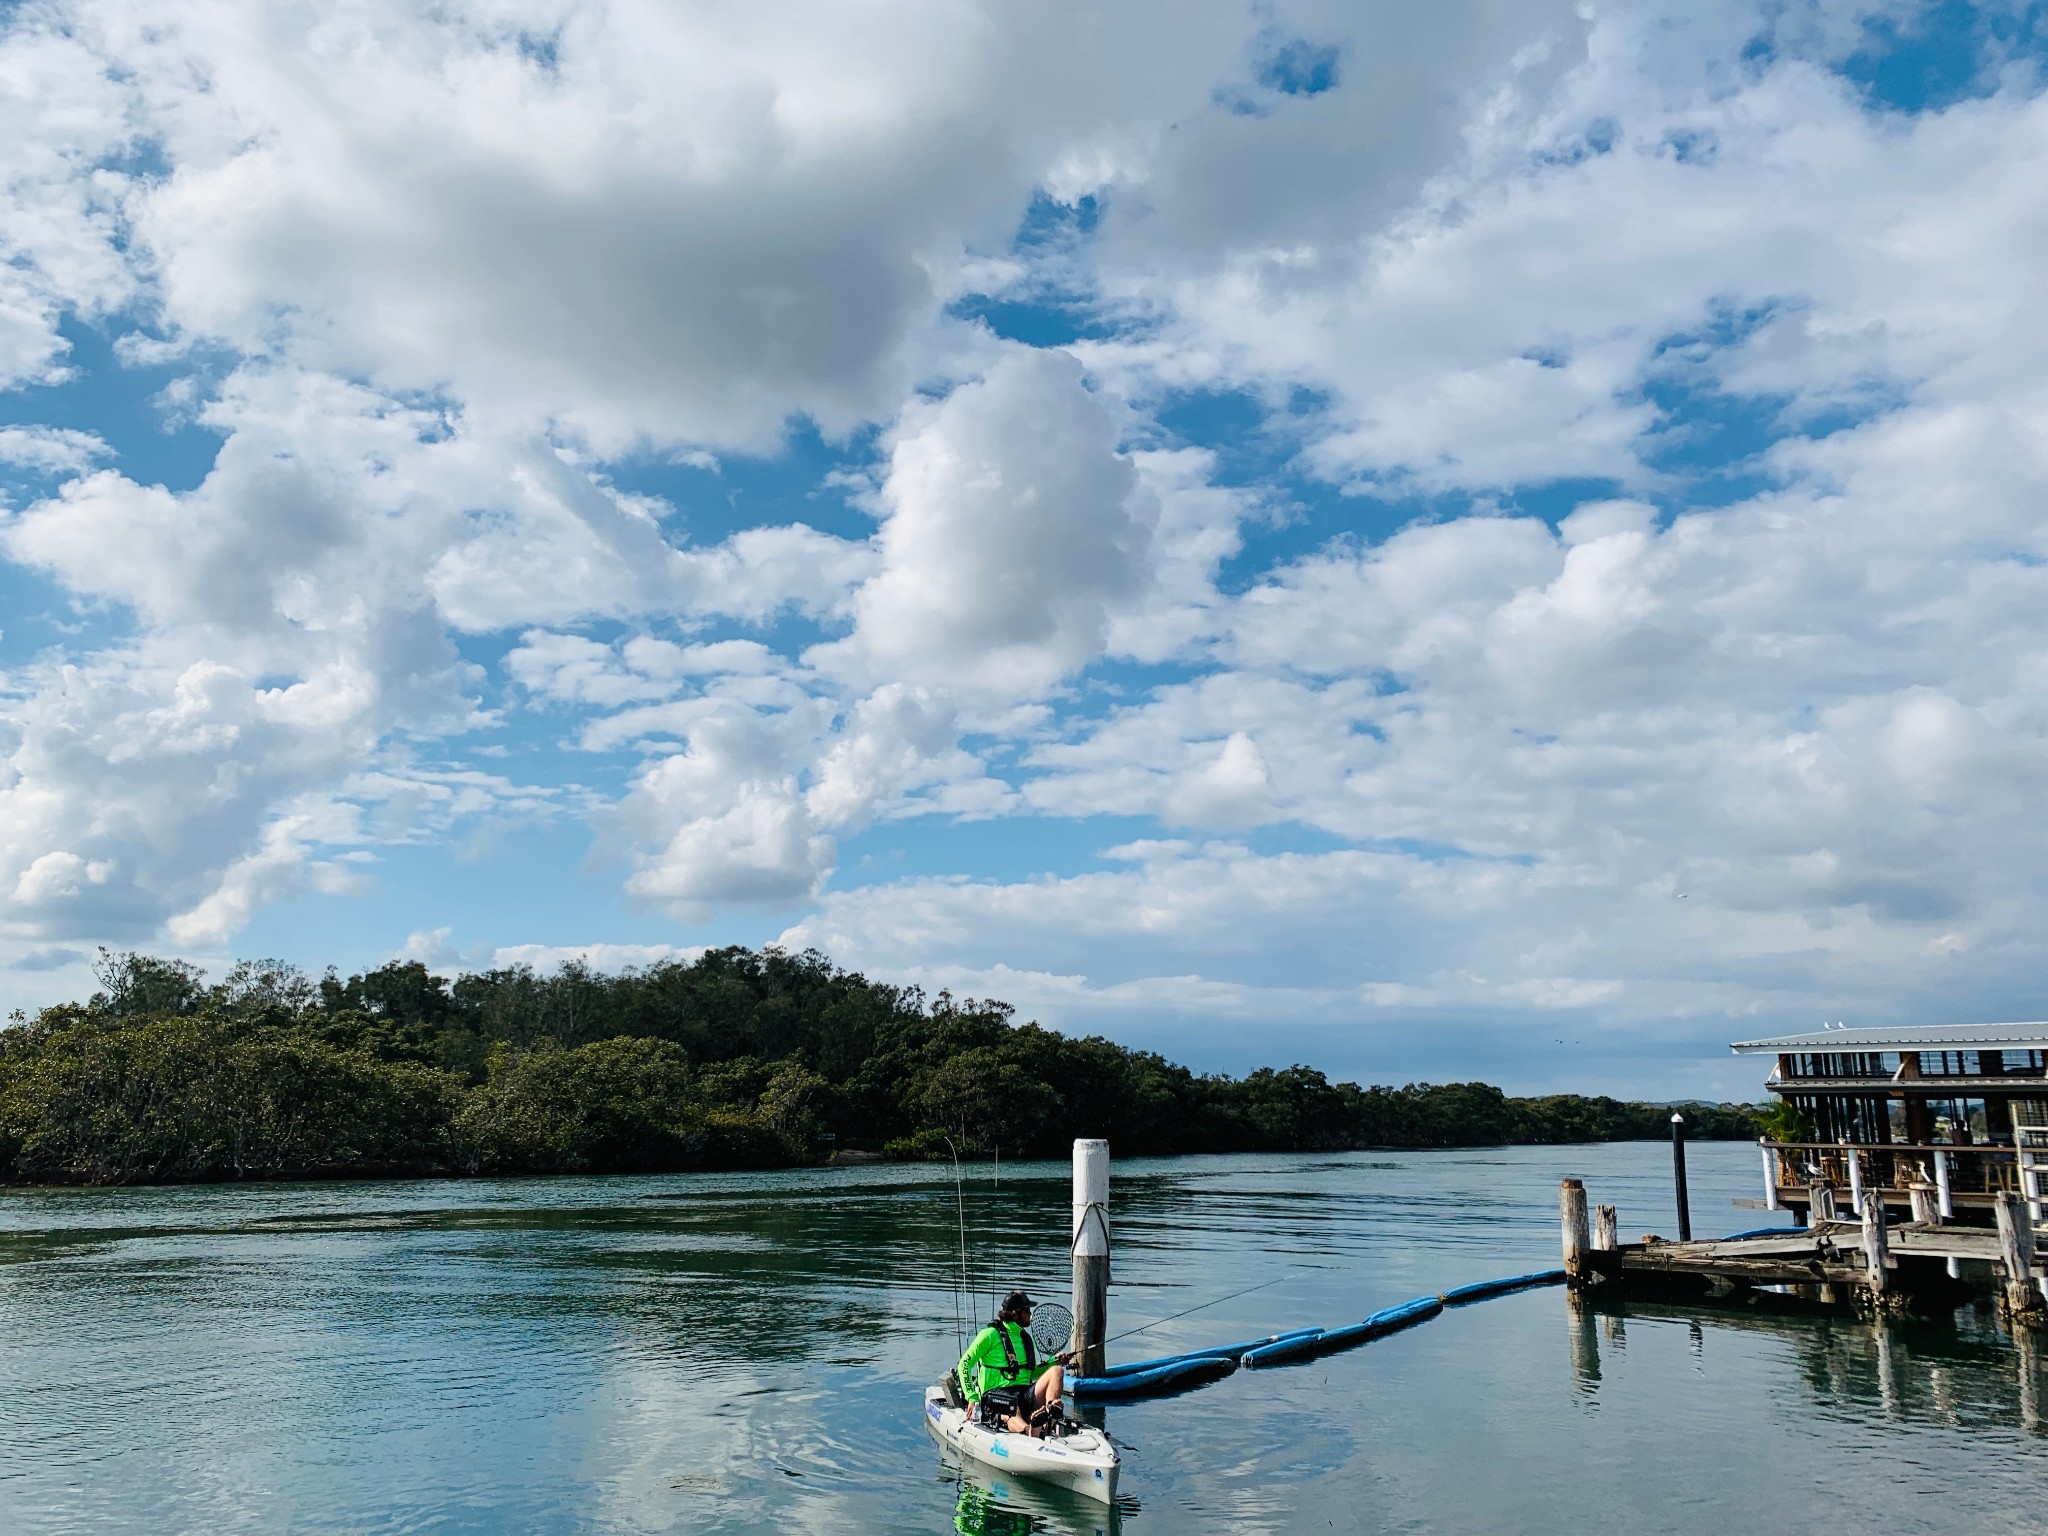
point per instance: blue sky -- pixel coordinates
(1496, 543)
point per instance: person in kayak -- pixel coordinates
(1006, 1385)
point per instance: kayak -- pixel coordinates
(1083, 1462)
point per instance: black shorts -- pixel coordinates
(998, 1403)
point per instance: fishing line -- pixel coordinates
(959, 1274)
(960, 1208)
(1205, 1306)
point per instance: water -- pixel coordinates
(748, 1353)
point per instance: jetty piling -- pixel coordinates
(1090, 1248)
(1606, 1229)
(1578, 1241)
(1926, 1210)
(2016, 1253)
(1877, 1257)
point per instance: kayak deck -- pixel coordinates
(1083, 1462)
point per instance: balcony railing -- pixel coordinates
(1975, 1172)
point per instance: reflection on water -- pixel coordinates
(748, 1352)
(992, 1505)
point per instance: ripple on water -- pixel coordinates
(746, 1352)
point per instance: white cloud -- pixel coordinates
(1765, 717)
(1012, 530)
(51, 450)
(599, 957)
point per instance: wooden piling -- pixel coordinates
(1820, 1202)
(1090, 1247)
(2016, 1253)
(1926, 1203)
(1578, 1241)
(1876, 1250)
(1606, 1229)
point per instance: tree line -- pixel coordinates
(739, 1059)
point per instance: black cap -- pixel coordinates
(1016, 1301)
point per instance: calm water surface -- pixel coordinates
(748, 1353)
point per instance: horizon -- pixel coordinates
(1494, 545)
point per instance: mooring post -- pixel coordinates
(1091, 1255)
(1606, 1230)
(1678, 1176)
(1820, 1202)
(1876, 1250)
(2016, 1251)
(1925, 1212)
(1941, 1184)
(1770, 1173)
(1855, 1160)
(1571, 1207)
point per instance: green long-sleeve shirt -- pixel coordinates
(983, 1366)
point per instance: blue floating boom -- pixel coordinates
(1220, 1352)
(1487, 1288)
(1174, 1376)
(1198, 1367)
(1313, 1346)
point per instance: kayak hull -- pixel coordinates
(1084, 1462)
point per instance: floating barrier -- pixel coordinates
(1221, 1351)
(1330, 1341)
(1488, 1288)
(1199, 1367)
(1173, 1376)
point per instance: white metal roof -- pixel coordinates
(1910, 1037)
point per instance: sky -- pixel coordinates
(1501, 539)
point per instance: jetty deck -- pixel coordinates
(1921, 1265)
(1828, 1254)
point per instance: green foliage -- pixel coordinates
(99, 1098)
(738, 1059)
(1782, 1121)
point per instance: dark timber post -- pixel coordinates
(1678, 1176)
(1090, 1247)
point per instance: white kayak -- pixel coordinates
(1082, 1461)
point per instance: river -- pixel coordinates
(747, 1352)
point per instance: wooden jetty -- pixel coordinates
(1867, 1262)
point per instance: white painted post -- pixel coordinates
(1770, 1174)
(1090, 1244)
(1948, 1209)
(1855, 1180)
